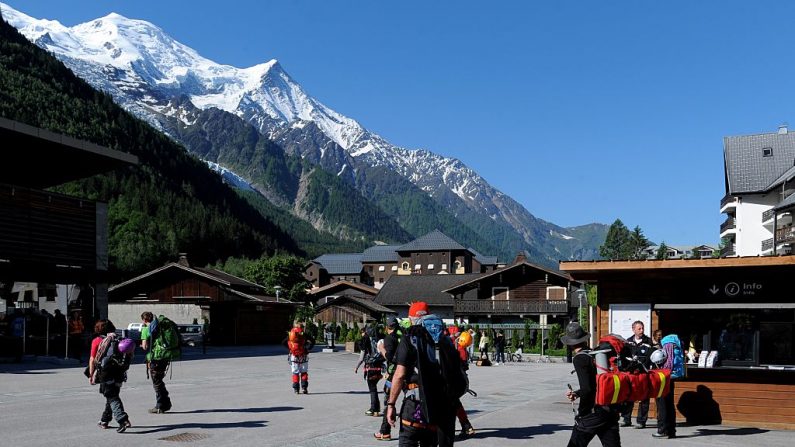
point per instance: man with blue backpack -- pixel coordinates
(670, 357)
(430, 376)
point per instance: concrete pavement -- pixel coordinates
(242, 397)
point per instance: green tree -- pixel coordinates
(638, 243)
(284, 271)
(662, 251)
(617, 243)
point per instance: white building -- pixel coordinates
(682, 251)
(760, 179)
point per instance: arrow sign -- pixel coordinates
(714, 289)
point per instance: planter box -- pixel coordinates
(350, 346)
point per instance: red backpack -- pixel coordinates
(659, 383)
(613, 386)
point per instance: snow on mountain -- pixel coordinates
(144, 69)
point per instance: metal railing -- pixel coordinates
(727, 199)
(728, 224)
(728, 250)
(503, 307)
(769, 214)
(784, 235)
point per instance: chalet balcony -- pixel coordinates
(509, 307)
(768, 215)
(728, 224)
(783, 236)
(727, 202)
(728, 250)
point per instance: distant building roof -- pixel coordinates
(433, 241)
(754, 163)
(372, 291)
(469, 285)
(403, 289)
(381, 253)
(341, 263)
(789, 201)
(367, 304)
(483, 260)
(231, 279)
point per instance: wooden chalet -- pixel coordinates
(337, 289)
(52, 238)
(329, 268)
(400, 291)
(239, 311)
(511, 294)
(349, 309)
(740, 308)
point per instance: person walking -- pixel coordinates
(155, 367)
(427, 413)
(640, 347)
(499, 347)
(109, 376)
(389, 346)
(463, 341)
(373, 363)
(483, 344)
(299, 343)
(591, 419)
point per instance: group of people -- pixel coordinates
(602, 421)
(111, 357)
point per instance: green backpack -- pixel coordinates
(166, 339)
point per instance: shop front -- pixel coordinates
(736, 320)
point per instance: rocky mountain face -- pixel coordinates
(261, 125)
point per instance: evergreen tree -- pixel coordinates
(638, 242)
(617, 243)
(662, 251)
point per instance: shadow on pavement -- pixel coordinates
(239, 410)
(199, 425)
(519, 432)
(729, 431)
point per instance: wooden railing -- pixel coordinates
(728, 224)
(728, 250)
(784, 235)
(726, 199)
(767, 215)
(504, 307)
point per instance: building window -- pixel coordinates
(767, 151)
(457, 265)
(556, 293)
(444, 266)
(405, 266)
(430, 266)
(417, 266)
(381, 268)
(380, 280)
(394, 267)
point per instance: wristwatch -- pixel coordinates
(390, 404)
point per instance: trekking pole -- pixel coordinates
(572, 402)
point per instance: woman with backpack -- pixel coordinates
(373, 365)
(110, 377)
(673, 360)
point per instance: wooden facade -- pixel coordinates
(740, 307)
(350, 309)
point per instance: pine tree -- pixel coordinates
(638, 242)
(617, 243)
(662, 251)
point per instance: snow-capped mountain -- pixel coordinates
(144, 69)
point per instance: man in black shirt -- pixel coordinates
(390, 348)
(640, 346)
(591, 420)
(427, 414)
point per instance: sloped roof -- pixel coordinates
(470, 285)
(231, 279)
(483, 260)
(747, 170)
(403, 289)
(341, 263)
(346, 284)
(433, 241)
(381, 253)
(786, 203)
(367, 304)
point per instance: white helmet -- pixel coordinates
(658, 357)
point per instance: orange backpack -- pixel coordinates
(296, 342)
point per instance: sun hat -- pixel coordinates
(574, 334)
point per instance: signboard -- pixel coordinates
(623, 315)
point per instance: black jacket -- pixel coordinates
(642, 350)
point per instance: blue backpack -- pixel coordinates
(676, 358)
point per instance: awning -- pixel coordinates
(696, 306)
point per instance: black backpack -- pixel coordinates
(111, 364)
(373, 358)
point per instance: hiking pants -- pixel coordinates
(386, 429)
(601, 423)
(666, 413)
(299, 366)
(158, 368)
(114, 408)
(375, 405)
(643, 412)
(417, 437)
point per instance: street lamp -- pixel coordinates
(580, 294)
(277, 289)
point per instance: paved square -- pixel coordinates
(243, 397)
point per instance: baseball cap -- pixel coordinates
(418, 309)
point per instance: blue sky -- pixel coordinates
(582, 111)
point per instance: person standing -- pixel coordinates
(666, 411)
(640, 347)
(499, 347)
(591, 419)
(427, 413)
(373, 364)
(156, 368)
(389, 347)
(463, 341)
(299, 344)
(483, 344)
(110, 380)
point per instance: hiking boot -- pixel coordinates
(103, 425)
(156, 410)
(626, 424)
(296, 391)
(467, 430)
(640, 426)
(305, 391)
(123, 426)
(383, 436)
(372, 413)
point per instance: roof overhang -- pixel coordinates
(42, 159)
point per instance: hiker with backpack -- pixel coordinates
(299, 343)
(388, 349)
(163, 343)
(431, 381)
(670, 357)
(640, 347)
(107, 366)
(591, 419)
(373, 362)
(462, 342)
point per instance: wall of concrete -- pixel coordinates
(122, 314)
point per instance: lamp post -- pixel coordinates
(580, 294)
(277, 289)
